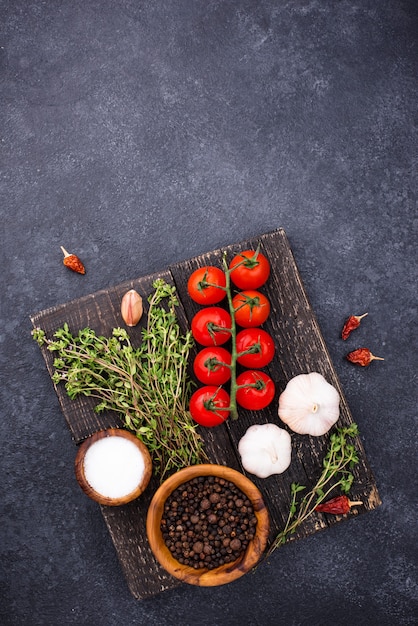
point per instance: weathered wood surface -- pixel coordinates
(300, 348)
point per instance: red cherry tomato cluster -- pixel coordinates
(214, 326)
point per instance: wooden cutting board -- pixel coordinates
(300, 348)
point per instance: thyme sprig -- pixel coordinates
(340, 458)
(148, 386)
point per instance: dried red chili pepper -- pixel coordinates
(350, 324)
(362, 357)
(73, 262)
(338, 506)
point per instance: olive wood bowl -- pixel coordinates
(81, 477)
(224, 573)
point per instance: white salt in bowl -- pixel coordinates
(113, 467)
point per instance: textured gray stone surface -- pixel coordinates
(138, 134)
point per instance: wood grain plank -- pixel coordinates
(300, 348)
(127, 528)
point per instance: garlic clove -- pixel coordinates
(131, 308)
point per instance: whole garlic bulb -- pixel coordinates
(265, 449)
(309, 405)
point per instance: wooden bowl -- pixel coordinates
(224, 573)
(79, 467)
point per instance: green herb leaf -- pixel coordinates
(341, 454)
(147, 386)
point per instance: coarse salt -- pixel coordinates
(114, 466)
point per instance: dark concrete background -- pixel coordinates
(140, 133)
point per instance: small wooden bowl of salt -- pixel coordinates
(113, 467)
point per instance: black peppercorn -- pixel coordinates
(196, 535)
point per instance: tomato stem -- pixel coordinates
(203, 284)
(210, 405)
(233, 384)
(254, 349)
(214, 328)
(212, 364)
(259, 385)
(249, 262)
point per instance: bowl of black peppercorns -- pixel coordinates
(207, 525)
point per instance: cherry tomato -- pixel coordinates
(205, 285)
(251, 307)
(209, 406)
(259, 394)
(252, 269)
(259, 346)
(211, 366)
(211, 326)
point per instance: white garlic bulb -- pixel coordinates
(265, 449)
(309, 405)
